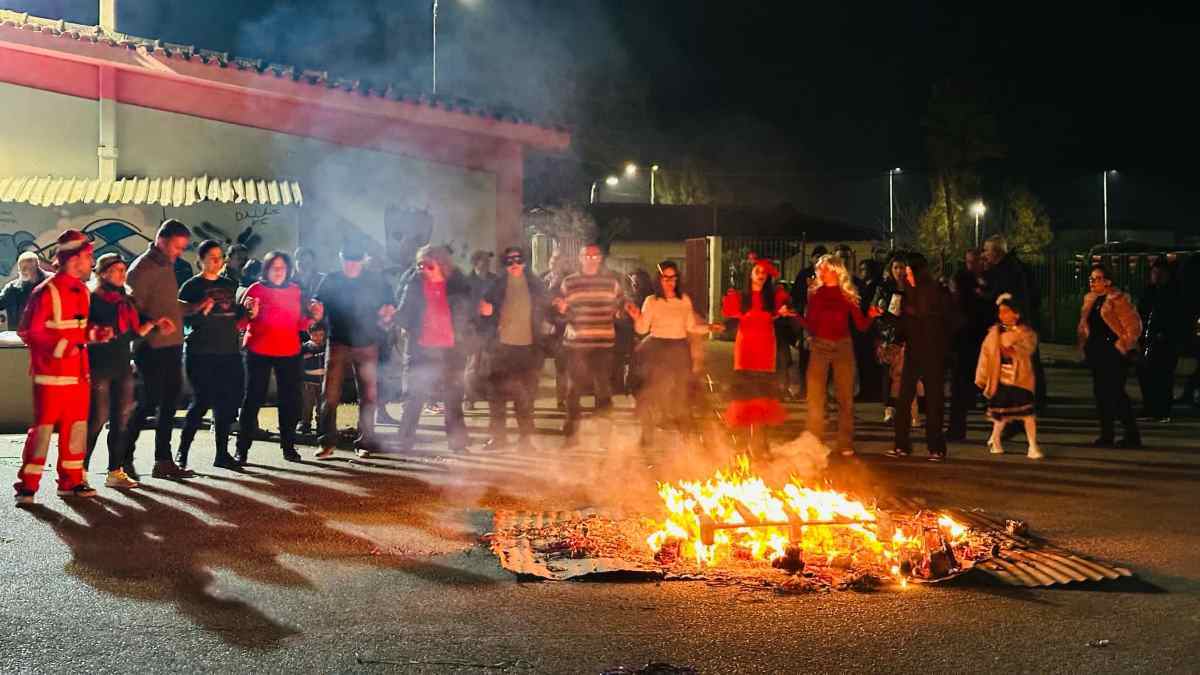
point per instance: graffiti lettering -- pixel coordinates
(260, 215)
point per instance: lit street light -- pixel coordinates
(653, 170)
(611, 181)
(631, 170)
(468, 3)
(978, 209)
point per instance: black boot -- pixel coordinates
(185, 446)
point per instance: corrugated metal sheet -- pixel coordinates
(160, 190)
(1023, 561)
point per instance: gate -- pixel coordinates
(696, 279)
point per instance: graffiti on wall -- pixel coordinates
(128, 230)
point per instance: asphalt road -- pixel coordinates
(375, 566)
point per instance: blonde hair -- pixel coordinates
(844, 281)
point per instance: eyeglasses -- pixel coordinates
(427, 266)
(593, 257)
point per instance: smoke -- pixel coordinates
(803, 457)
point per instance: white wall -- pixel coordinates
(346, 190)
(42, 133)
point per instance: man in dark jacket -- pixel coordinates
(435, 312)
(16, 292)
(928, 321)
(154, 288)
(512, 312)
(1163, 321)
(1006, 273)
(980, 314)
(357, 302)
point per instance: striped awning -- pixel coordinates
(163, 191)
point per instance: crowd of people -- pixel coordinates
(890, 332)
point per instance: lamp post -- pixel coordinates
(1104, 184)
(611, 181)
(653, 170)
(892, 208)
(468, 3)
(978, 209)
(435, 8)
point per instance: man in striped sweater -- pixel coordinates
(591, 299)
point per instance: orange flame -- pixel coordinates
(734, 493)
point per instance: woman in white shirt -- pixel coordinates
(667, 317)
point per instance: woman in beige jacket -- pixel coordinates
(1006, 375)
(1109, 329)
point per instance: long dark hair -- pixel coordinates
(662, 267)
(767, 293)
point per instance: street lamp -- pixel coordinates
(631, 170)
(468, 3)
(611, 181)
(892, 208)
(1104, 183)
(653, 170)
(978, 209)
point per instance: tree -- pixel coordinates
(960, 135)
(942, 233)
(562, 222)
(691, 183)
(1026, 223)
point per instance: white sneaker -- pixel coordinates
(1034, 452)
(362, 453)
(118, 479)
(889, 414)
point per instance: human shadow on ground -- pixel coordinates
(165, 543)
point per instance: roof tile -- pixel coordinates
(390, 91)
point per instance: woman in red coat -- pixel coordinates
(755, 405)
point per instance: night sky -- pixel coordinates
(814, 100)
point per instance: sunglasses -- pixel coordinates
(514, 260)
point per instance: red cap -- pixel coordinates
(70, 244)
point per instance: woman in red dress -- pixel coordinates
(755, 393)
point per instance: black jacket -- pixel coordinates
(539, 303)
(14, 296)
(1011, 276)
(1163, 315)
(929, 319)
(410, 314)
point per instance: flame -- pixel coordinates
(735, 492)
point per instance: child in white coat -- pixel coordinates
(1006, 376)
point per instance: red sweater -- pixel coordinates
(829, 312)
(276, 329)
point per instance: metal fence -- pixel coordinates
(1061, 281)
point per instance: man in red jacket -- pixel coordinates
(55, 327)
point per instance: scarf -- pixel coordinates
(127, 316)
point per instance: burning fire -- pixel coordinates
(736, 515)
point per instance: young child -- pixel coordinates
(1006, 376)
(313, 353)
